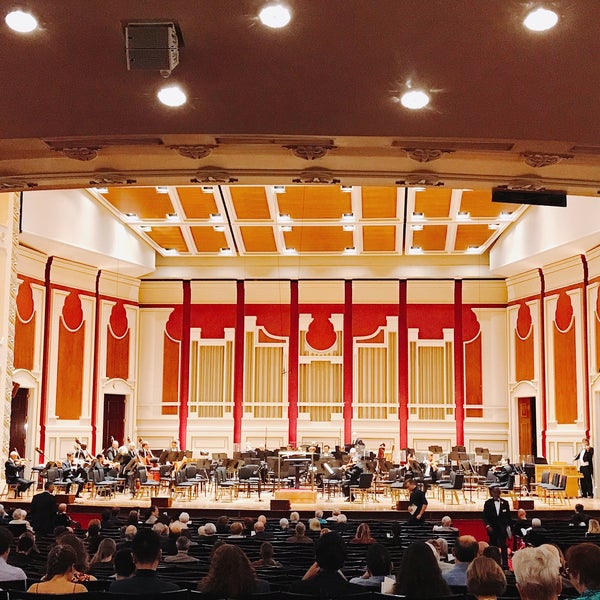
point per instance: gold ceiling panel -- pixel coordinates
(195, 203)
(168, 238)
(318, 239)
(479, 204)
(259, 239)
(471, 235)
(379, 239)
(314, 202)
(433, 203)
(250, 203)
(379, 203)
(146, 202)
(432, 238)
(208, 240)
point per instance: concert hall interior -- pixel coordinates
(293, 274)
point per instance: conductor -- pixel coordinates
(586, 468)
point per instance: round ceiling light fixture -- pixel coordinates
(172, 95)
(275, 16)
(415, 99)
(541, 19)
(21, 22)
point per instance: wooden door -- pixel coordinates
(527, 431)
(114, 419)
(18, 420)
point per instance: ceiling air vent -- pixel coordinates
(152, 46)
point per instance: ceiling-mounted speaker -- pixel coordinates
(152, 46)
(545, 198)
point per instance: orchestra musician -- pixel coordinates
(81, 455)
(503, 471)
(112, 453)
(353, 469)
(13, 469)
(431, 467)
(146, 455)
(74, 473)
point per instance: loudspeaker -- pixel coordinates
(280, 505)
(525, 504)
(162, 501)
(545, 198)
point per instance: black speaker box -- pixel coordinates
(545, 198)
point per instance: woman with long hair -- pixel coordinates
(60, 569)
(230, 575)
(363, 535)
(105, 553)
(82, 561)
(420, 575)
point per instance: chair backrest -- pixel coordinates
(563, 482)
(191, 471)
(365, 480)
(459, 480)
(143, 475)
(52, 474)
(545, 477)
(247, 471)
(221, 474)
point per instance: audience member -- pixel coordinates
(379, 565)
(537, 535)
(209, 536)
(583, 562)
(314, 524)
(363, 535)
(446, 525)
(236, 530)
(537, 574)
(259, 531)
(299, 536)
(284, 524)
(19, 521)
(494, 553)
(465, 550)
(294, 517)
(420, 575)
(4, 516)
(105, 553)
(222, 525)
(183, 546)
(485, 578)
(26, 551)
(593, 528)
(151, 515)
(8, 572)
(319, 515)
(266, 559)
(146, 556)
(93, 537)
(127, 537)
(230, 575)
(335, 513)
(62, 518)
(580, 518)
(60, 572)
(124, 565)
(82, 562)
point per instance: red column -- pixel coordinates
(403, 364)
(45, 353)
(586, 352)
(238, 368)
(184, 364)
(543, 361)
(459, 387)
(94, 411)
(348, 362)
(293, 365)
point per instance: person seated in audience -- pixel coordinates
(485, 578)
(26, 551)
(314, 524)
(210, 534)
(162, 531)
(222, 525)
(324, 530)
(284, 524)
(420, 575)
(103, 558)
(394, 537)
(583, 562)
(19, 519)
(494, 553)
(266, 559)
(465, 550)
(184, 520)
(110, 518)
(537, 574)
(379, 565)
(446, 525)
(537, 535)
(294, 517)
(183, 545)
(593, 529)
(440, 546)
(335, 513)
(146, 556)
(521, 523)
(230, 575)
(363, 535)
(299, 536)
(93, 537)
(82, 563)
(127, 537)
(341, 524)
(559, 557)
(319, 515)
(324, 578)
(8, 572)
(124, 566)
(259, 531)
(236, 530)
(481, 547)
(263, 519)
(580, 518)
(62, 518)
(151, 515)
(60, 571)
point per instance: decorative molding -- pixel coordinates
(83, 153)
(316, 175)
(541, 159)
(524, 184)
(310, 151)
(112, 180)
(9, 185)
(426, 179)
(423, 155)
(195, 151)
(213, 175)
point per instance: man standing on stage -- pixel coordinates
(498, 521)
(586, 468)
(417, 503)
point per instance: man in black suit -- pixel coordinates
(43, 510)
(498, 521)
(586, 468)
(13, 472)
(417, 503)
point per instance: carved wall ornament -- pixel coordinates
(524, 184)
(426, 154)
(213, 176)
(9, 185)
(421, 179)
(319, 176)
(310, 151)
(79, 152)
(541, 159)
(195, 151)
(112, 180)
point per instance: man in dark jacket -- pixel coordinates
(498, 521)
(42, 513)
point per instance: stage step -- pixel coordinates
(297, 496)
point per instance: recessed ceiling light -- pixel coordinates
(350, 250)
(346, 188)
(284, 218)
(472, 250)
(162, 189)
(275, 16)
(279, 189)
(171, 251)
(348, 227)
(290, 251)
(172, 95)
(207, 189)
(215, 218)
(348, 217)
(415, 99)
(226, 252)
(416, 250)
(219, 227)
(541, 19)
(130, 217)
(417, 227)
(101, 190)
(463, 215)
(505, 215)
(145, 228)
(418, 216)
(494, 226)
(21, 21)
(172, 217)
(285, 228)
(419, 189)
